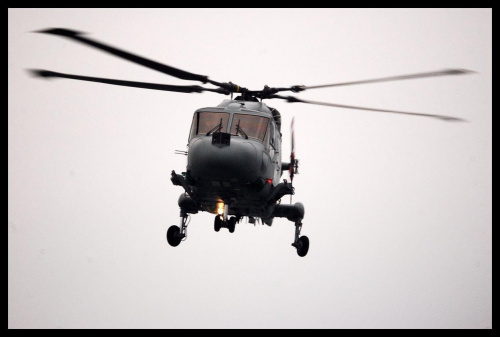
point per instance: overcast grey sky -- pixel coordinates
(398, 208)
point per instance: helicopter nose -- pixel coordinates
(232, 163)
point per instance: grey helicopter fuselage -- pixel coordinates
(234, 169)
(234, 157)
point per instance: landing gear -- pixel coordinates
(229, 223)
(294, 213)
(301, 243)
(217, 223)
(173, 237)
(302, 246)
(176, 234)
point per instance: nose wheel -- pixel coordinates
(217, 223)
(230, 223)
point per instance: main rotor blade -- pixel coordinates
(76, 36)
(292, 99)
(445, 72)
(143, 85)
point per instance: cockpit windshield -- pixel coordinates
(205, 122)
(249, 126)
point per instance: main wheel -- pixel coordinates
(217, 223)
(303, 246)
(231, 224)
(173, 237)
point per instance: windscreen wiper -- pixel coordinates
(215, 129)
(239, 129)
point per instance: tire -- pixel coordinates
(231, 224)
(303, 246)
(217, 223)
(173, 236)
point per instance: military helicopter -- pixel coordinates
(234, 157)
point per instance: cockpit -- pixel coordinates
(241, 124)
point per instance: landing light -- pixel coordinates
(220, 208)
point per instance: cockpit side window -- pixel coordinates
(271, 135)
(205, 121)
(250, 125)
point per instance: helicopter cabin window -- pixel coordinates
(271, 136)
(250, 126)
(208, 122)
(272, 142)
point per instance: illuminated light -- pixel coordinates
(220, 208)
(269, 181)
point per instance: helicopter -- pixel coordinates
(234, 157)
